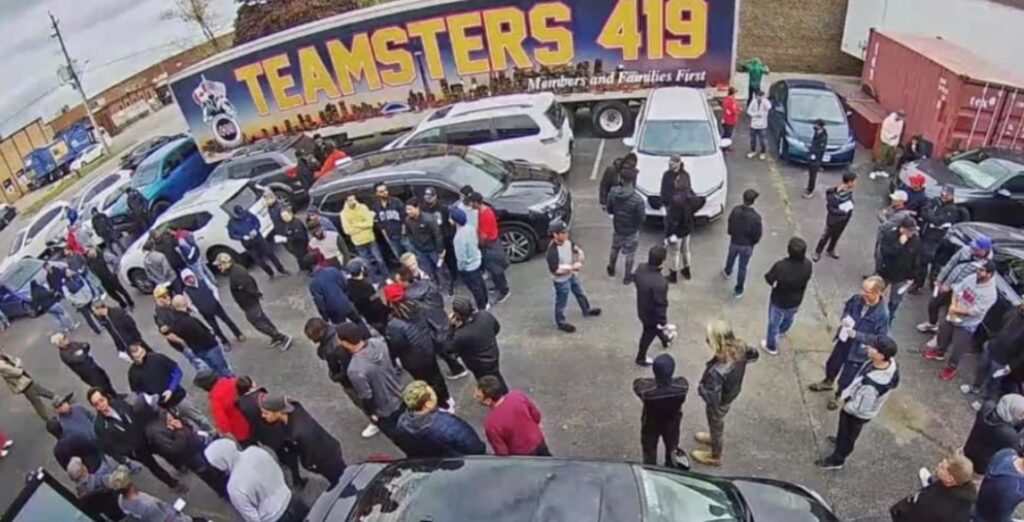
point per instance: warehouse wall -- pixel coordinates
(795, 35)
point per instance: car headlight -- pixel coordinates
(546, 207)
(848, 145)
(794, 142)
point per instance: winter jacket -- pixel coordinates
(157, 268)
(663, 401)
(101, 269)
(104, 226)
(389, 216)
(168, 246)
(788, 279)
(336, 357)
(869, 390)
(680, 217)
(917, 200)
(273, 436)
(609, 180)
(758, 110)
(188, 249)
(410, 341)
(627, 209)
(989, 434)
(43, 298)
(424, 234)
(744, 226)
(318, 450)
(224, 410)
(722, 381)
(834, 198)
(819, 142)
(14, 374)
(244, 229)
(328, 288)
(296, 236)
(936, 219)
(122, 328)
(243, 287)
(651, 295)
(1001, 491)
(870, 324)
(156, 374)
(668, 185)
(375, 380)
(78, 292)
(899, 260)
(439, 213)
(961, 265)
(124, 437)
(438, 435)
(476, 341)
(74, 445)
(76, 357)
(256, 485)
(79, 420)
(430, 303)
(358, 224)
(183, 447)
(936, 503)
(367, 300)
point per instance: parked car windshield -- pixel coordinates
(985, 174)
(20, 273)
(813, 105)
(682, 137)
(246, 197)
(146, 174)
(672, 496)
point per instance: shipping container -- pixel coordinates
(953, 98)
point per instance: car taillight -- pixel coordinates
(292, 172)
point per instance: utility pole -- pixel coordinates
(76, 82)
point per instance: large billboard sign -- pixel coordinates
(419, 54)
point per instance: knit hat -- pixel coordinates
(1011, 409)
(394, 293)
(981, 243)
(76, 468)
(458, 216)
(62, 399)
(908, 223)
(415, 394)
(664, 367)
(948, 190)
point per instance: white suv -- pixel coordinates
(679, 121)
(204, 212)
(530, 127)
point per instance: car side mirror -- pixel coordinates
(1003, 193)
(629, 142)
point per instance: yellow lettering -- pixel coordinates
(427, 31)
(279, 84)
(315, 78)
(655, 16)
(688, 20)
(621, 31)
(250, 75)
(502, 41)
(353, 64)
(543, 20)
(403, 72)
(463, 44)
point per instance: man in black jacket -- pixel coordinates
(76, 357)
(744, 233)
(474, 338)
(208, 305)
(947, 497)
(898, 251)
(182, 446)
(104, 227)
(273, 436)
(839, 210)
(197, 337)
(74, 445)
(120, 429)
(248, 296)
(663, 398)
(611, 176)
(628, 212)
(389, 216)
(652, 304)
(436, 209)
(1002, 355)
(788, 279)
(936, 219)
(121, 327)
(98, 264)
(819, 142)
(426, 238)
(318, 450)
(157, 378)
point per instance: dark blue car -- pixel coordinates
(15, 294)
(795, 105)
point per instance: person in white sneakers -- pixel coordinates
(758, 110)
(652, 304)
(888, 142)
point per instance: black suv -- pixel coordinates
(526, 197)
(272, 163)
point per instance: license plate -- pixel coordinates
(826, 158)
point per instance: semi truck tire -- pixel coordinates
(611, 119)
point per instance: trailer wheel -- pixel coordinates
(611, 119)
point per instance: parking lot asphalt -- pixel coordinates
(582, 381)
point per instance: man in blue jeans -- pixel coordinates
(468, 257)
(565, 260)
(788, 279)
(744, 232)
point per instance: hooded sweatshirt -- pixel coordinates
(663, 396)
(995, 428)
(1001, 490)
(374, 379)
(357, 222)
(199, 294)
(627, 209)
(256, 485)
(869, 390)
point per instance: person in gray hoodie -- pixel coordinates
(374, 378)
(256, 484)
(863, 399)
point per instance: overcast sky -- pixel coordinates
(110, 39)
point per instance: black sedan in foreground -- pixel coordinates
(989, 183)
(504, 489)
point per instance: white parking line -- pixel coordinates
(597, 160)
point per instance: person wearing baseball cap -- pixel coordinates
(889, 142)
(248, 296)
(565, 260)
(970, 300)
(960, 266)
(864, 398)
(319, 452)
(936, 218)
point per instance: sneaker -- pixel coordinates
(504, 297)
(370, 430)
(932, 343)
(9, 443)
(4, 453)
(240, 338)
(673, 277)
(285, 273)
(76, 325)
(226, 346)
(671, 337)
(593, 312)
(750, 155)
(611, 270)
(763, 156)
(948, 374)
(726, 275)
(628, 280)
(828, 464)
(706, 458)
(933, 355)
(822, 386)
(686, 273)
(646, 362)
(967, 389)
(567, 328)
(831, 254)
(180, 488)
(286, 345)
(459, 375)
(770, 351)
(927, 328)
(807, 195)
(833, 403)
(702, 437)
(816, 257)
(737, 295)
(924, 476)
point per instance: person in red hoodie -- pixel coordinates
(333, 156)
(730, 113)
(227, 417)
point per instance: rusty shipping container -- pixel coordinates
(952, 97)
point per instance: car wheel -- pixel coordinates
(783, 148)
(611, 119)
(160, 207)
(138, 278)
(520, 243)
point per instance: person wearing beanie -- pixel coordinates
(244, 227)
(788, 278)
(652, 304)
(513, 424)
(430, 433)
(971, 300)
(319, 452)
(474, 339)
(898, 250)
(959, 267)
(995, 427)
(937, 216)
(663, 398)
(744, 233)
(364, 295)
(863, 399)
(468, 257)
(565, 260)
(256, 485)
(946, 496)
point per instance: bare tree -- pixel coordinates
(198, 12)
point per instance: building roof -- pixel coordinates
(957, 59)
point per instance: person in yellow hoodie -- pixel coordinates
(357, 222)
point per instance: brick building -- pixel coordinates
(795, 36)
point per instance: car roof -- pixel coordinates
(204, 198)
(265, 146)
(676, 103)
(488, 107)
(384, 165)
(806, 83)
(47, 208)
(158, 154)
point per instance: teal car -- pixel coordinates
(163, 178)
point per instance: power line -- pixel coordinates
(76, 81)
(25, 107)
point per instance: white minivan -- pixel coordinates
(529, 127)
(679, 121)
